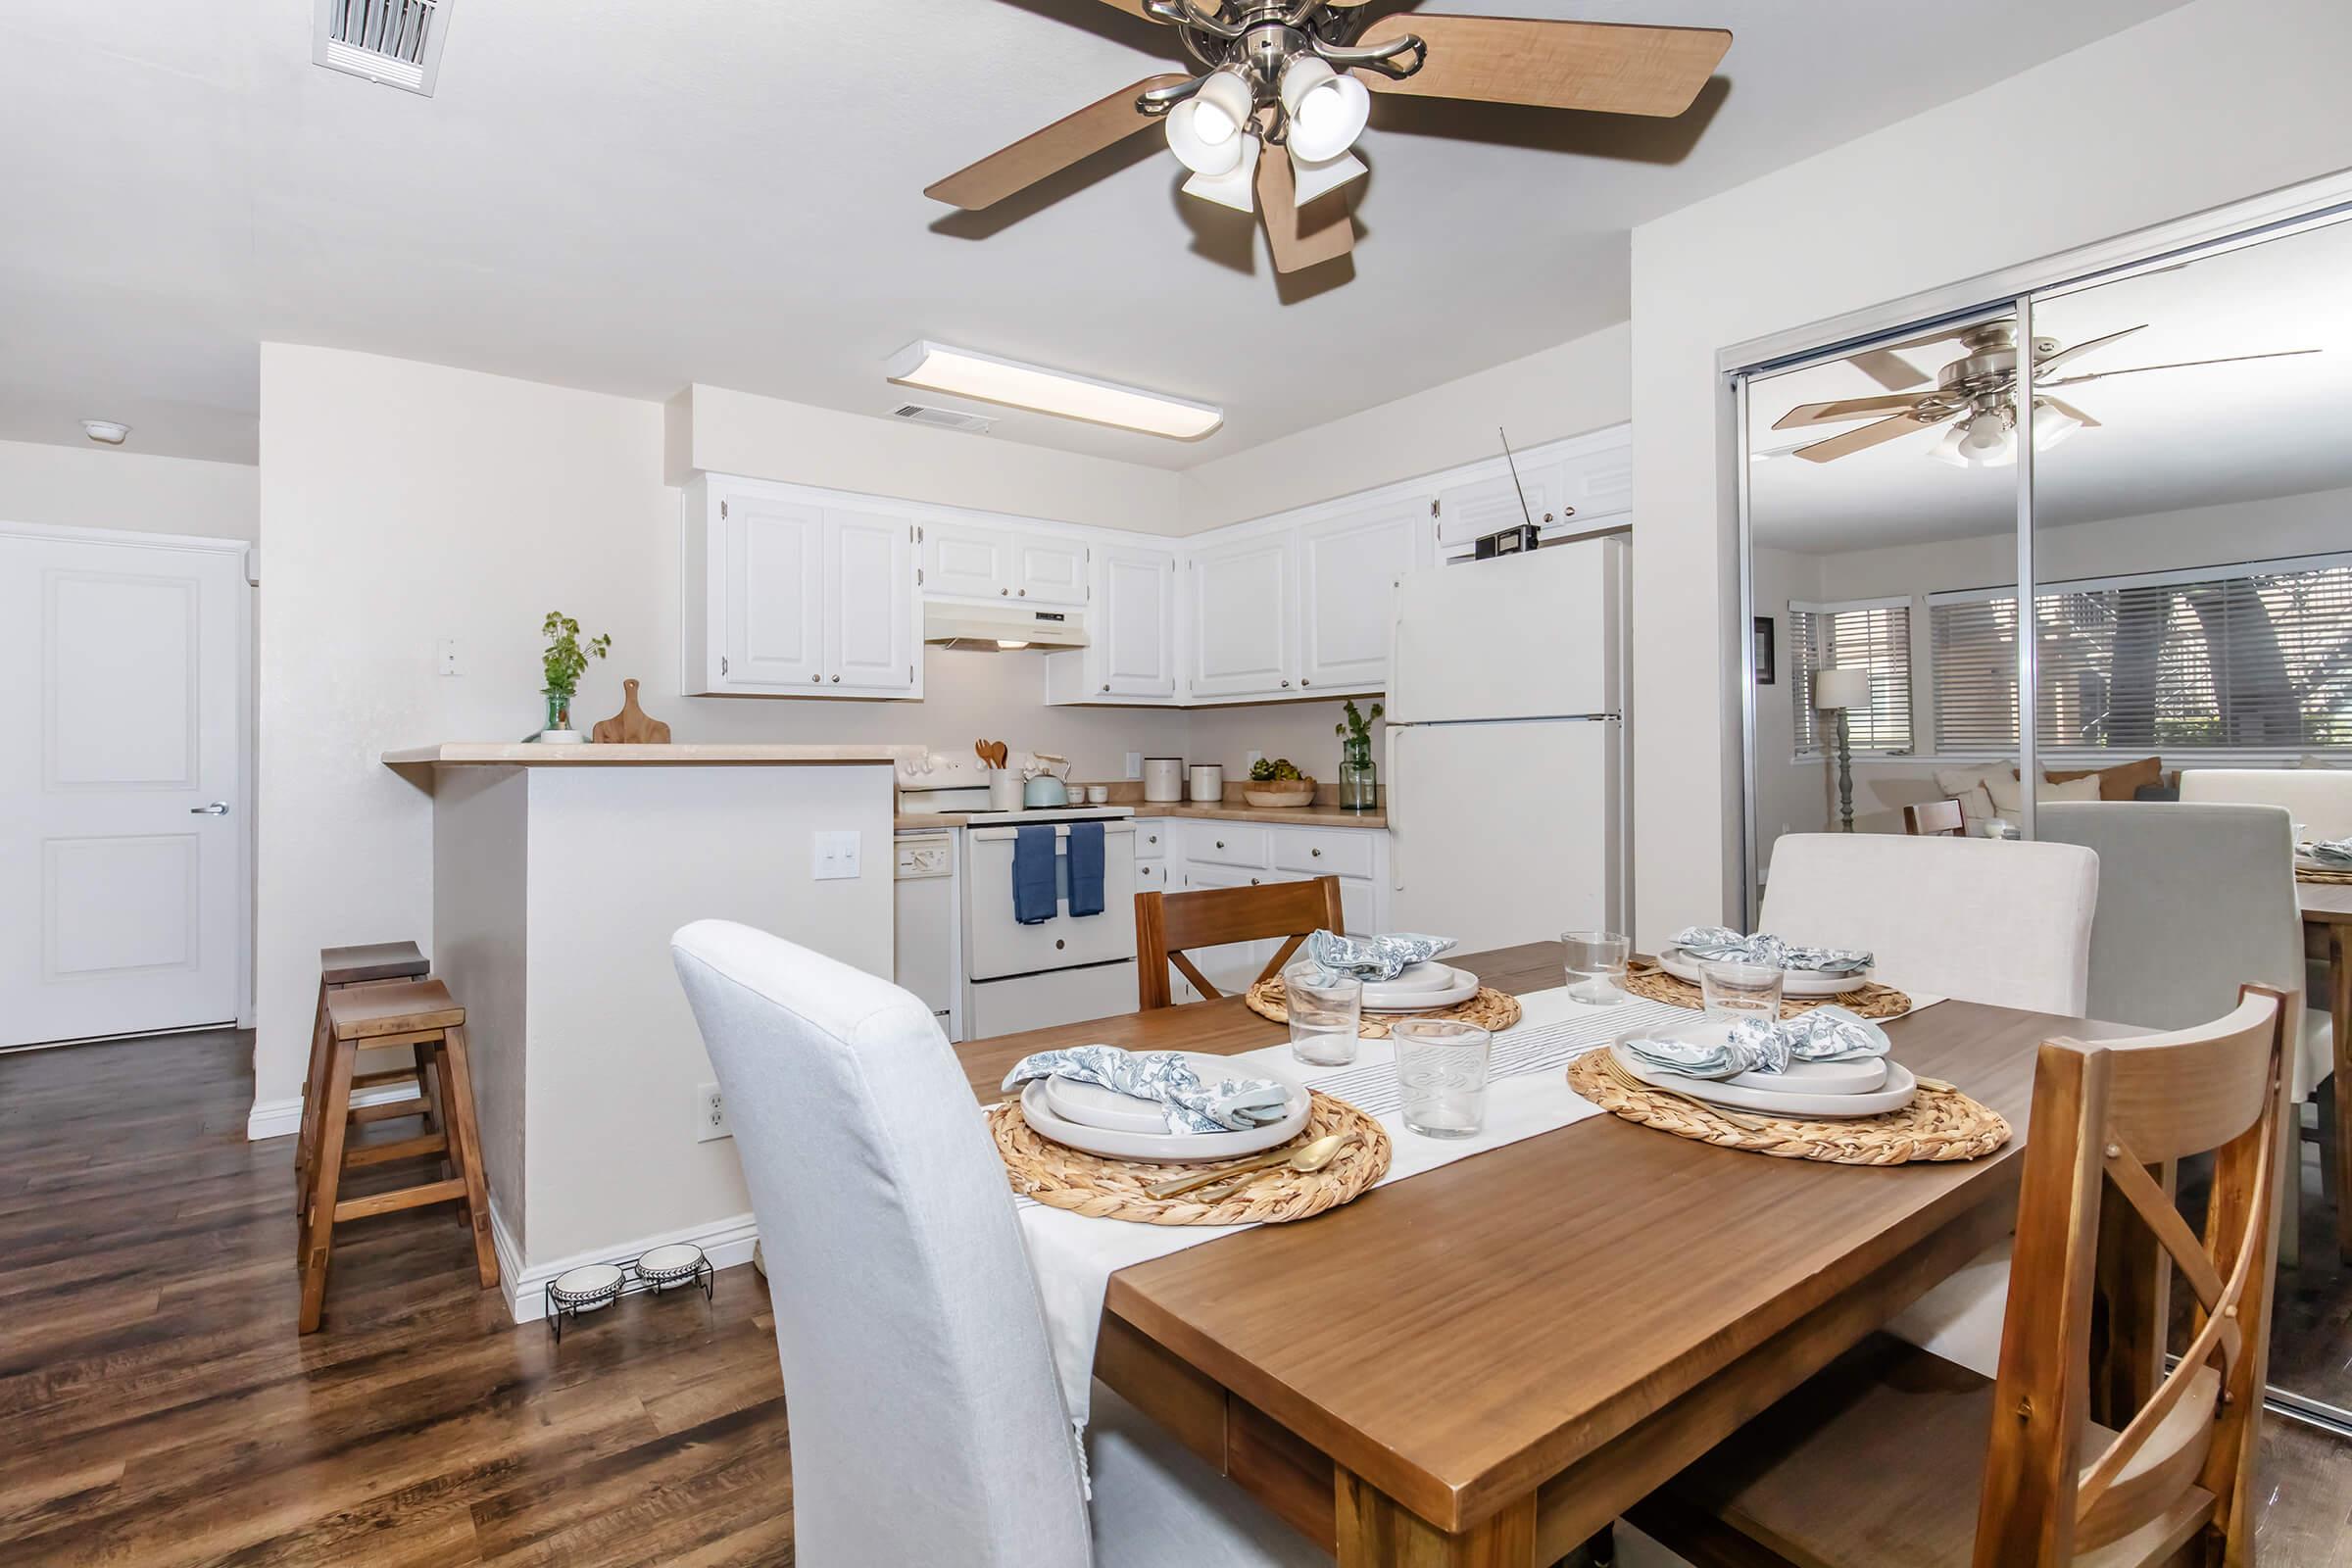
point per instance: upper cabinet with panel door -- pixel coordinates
(1571, 486)
(785, 597)
(1349, 564)
(1245, 619)
(1130, 652)
(966, 561)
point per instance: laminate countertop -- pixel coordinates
(1283, 816)
(529, 754)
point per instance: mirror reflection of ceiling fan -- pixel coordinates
(1974, 396)
(1285, 89)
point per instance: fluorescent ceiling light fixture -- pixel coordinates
(110, 431)
(967, 373)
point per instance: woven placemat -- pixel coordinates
(1873, 1000)
(2312, 873)
(1061, 1177)
(1940, 1123)
(1489, 1009)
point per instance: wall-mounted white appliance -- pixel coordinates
(1007, 629)
(1509, 677)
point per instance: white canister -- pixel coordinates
(1164, 778)
(1098, 795)
(1005, 790)
(1208, 782)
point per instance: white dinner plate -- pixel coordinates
(1387, 996)
(1796, 982)
(1165, 1147)
(1092, 1105)
(1809, 1103)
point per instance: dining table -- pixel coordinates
(1486, 1363)
(2328, 915)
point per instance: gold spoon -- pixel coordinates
(1305, 1158)
(1313, 1157)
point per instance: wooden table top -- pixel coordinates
(1459, 1337)
(2325, 902)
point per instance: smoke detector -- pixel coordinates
(395, 42)
(945, 418)
(106, 430)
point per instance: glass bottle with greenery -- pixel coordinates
(564, 662)
(1360, 776)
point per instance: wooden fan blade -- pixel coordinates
(2184, 364)
(2069, 410)
(1805, 413)
(1100, 125)
(1870, 435)
(2043, 366)
(1611, 68)
(1890, 369)
(1300, 241)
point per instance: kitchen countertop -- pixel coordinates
(1289, 816)
(527, 753)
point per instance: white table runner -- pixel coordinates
(1074, 1256)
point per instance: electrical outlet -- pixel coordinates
(1135, 764)
(445, 656)
(833, 857)
(711, 1114)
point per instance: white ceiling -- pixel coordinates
(629, 197)
(2167, 441)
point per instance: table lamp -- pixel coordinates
(1838, 689)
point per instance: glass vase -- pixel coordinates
(559, 708)
(1359, 778)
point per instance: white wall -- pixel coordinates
(769, 438)
(1565, 390)
(104, 487)
(2207, 104)
(1791, 797)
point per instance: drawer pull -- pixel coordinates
(1059, 943)
(1253, 881)
(1317, 854)
(1220, 844)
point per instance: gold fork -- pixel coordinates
(1615, 1070)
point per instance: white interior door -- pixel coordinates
(120, 788)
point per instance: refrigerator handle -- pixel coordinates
(1393, 741)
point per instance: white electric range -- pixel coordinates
(1015, 976)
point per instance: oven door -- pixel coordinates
(997, 944)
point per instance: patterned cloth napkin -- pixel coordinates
(2335, 855)
(1372, 958)
(1721, 944)
(1759, 1045)
(1192, 1103)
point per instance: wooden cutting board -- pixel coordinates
(632, 726)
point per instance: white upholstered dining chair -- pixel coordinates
(927, 1424)
(1990, 921)
(2318, 798)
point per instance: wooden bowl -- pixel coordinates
(1283, 792)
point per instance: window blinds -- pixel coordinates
(1875, 634)
(2254, 658)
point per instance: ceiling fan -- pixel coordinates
(1975, 394)
(1285, 87)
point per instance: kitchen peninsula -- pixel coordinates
(558, 874)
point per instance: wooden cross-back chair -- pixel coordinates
(1934, 819)
(1871, 1462)
(1167, 924)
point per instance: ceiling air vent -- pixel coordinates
(945, 418)
(397, 43)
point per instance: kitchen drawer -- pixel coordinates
(1153, 838)
(1151, 876)
(1225, 844)
(1324, 852)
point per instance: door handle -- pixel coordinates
(217, 808)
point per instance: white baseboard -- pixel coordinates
(282, 1118)
(728, 1243)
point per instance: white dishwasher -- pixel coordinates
(928, 928)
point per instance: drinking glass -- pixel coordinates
(1736, 991)
(1326, 1009)
(1596, 966)
(1442, 1075)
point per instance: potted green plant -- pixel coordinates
(1359, 777)
(563, 663)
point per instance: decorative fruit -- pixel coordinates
(1262, 770)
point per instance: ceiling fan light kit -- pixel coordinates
(1300, 75)
(992, 378)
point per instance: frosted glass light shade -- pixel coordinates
(1321, 179)
(1237, 186)
(1327, 111)
(1842, 688)
(1205, 132)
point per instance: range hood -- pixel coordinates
(1002, 627)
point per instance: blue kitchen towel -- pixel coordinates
(1086, 869)
(1034, 898)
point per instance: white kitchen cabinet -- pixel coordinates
(1130, 655)
(1245, 619)
(961, 562)
(1348, 566)
(787, 598)
(1580, 484)
(1049, 570)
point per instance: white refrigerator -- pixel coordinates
(1509, 799)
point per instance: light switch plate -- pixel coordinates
(1135, 764)
(834, 855)
(445, 656)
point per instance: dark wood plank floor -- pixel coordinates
(156, 1407)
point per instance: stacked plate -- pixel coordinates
(1116, 1126)
(1794, 983)
(1809, 1091)
(1420, 986)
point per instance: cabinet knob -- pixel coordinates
(1253, 881)
(1317, 854)
(1220, 844)
(1024, 593)
(1303, 681)
(1007, 592)
(837, 680)
(1154, 838)
(1059, 943)
(815, 680)
(1285, 685)
(1107, 685)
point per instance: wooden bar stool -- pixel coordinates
(370, 963)
(420, 1013)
